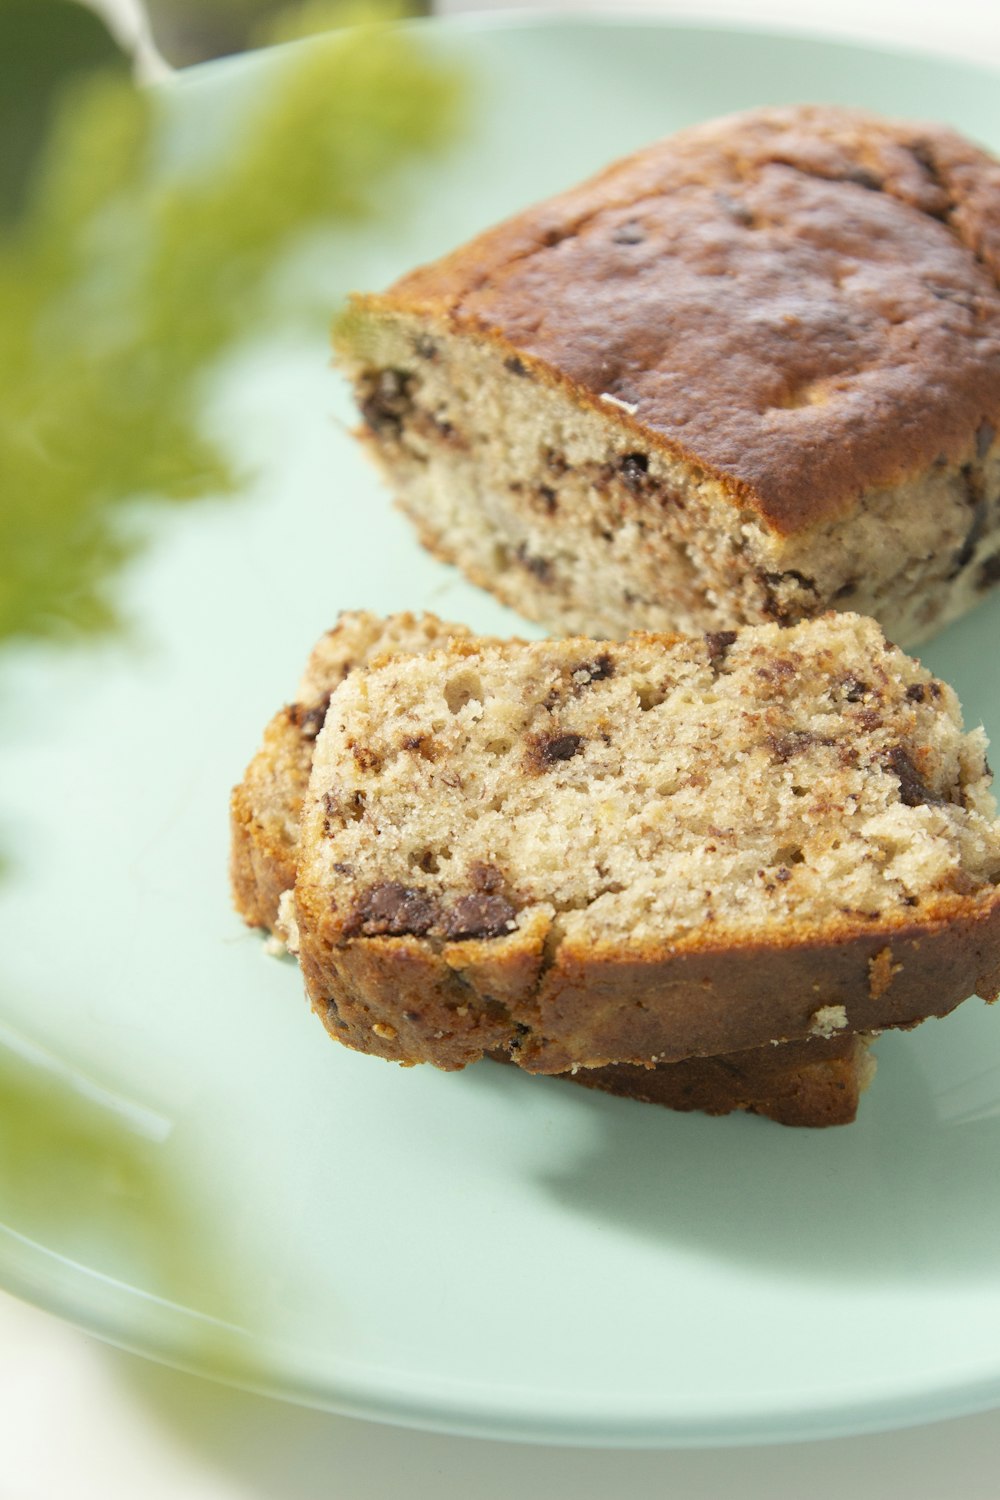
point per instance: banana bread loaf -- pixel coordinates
(593, 853)
(751, 373)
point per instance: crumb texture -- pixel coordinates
(640, 790)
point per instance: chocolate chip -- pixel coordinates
(974, 493)
(984, 439)
(718, 643)
(560, 747)
(634, 468)
(792, 742)
(486, 877)
(781, 670)
(547, 495)
(310, 720)
(393, 910)
(520, 1032)
(784, 613)
(352, 810)
(443, 431)
(854, 689)
(913, 790)
(973, 537)
(541, 567)
(343, 869)
(629, 233)
(387, 402)
(517, 367)
(916, 692)
(597, 670)
(478, 916)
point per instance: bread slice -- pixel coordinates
(265, 806)
(592, 853)
(815, 1083)
(751, 373)
(818, 1082)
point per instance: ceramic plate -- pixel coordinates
(218, 1185)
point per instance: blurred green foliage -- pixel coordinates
(42, 47)
(122, 283)
(90, 1176)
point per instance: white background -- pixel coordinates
(80, 1420)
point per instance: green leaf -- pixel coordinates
(123, 284)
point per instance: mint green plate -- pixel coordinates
(194, 1171)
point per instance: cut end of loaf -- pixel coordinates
(652, 790)
(570, 510)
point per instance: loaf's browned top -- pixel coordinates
(804, 300)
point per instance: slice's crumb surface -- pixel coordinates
(593, 852)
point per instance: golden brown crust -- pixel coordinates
(263, 813)
(814, 1083)
(706, 999)
(588, 1008)
(802, 301)
(400, 998)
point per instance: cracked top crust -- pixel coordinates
(802, 301)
